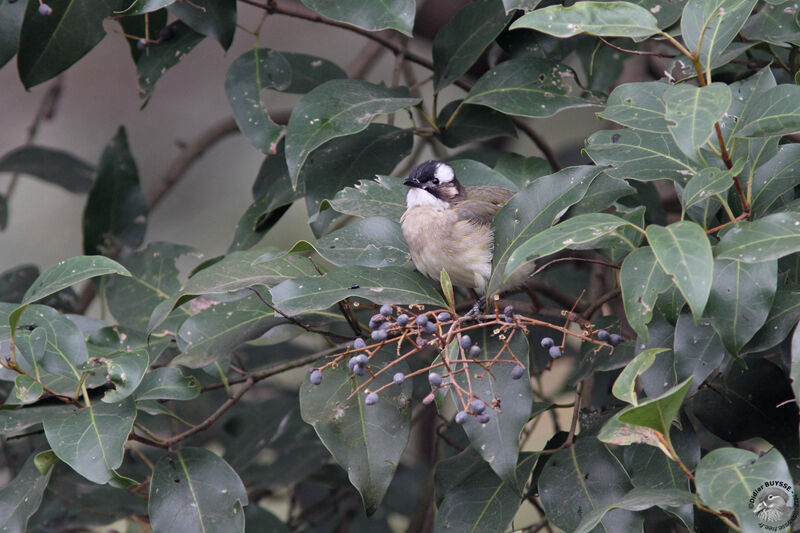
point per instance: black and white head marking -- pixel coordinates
(433, 183)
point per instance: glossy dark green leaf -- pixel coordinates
(193, 489)
(611, 247)
(167, 384)
(92, 440)
(159, 59)
(525, 5)
(389, 14)
(740, 300)
(367, 440)
(708, 183)
(783, 315)
(658, 413)
(11, 14)
(684, 253)
(497, 441)
(69, 272)
(21, 497)
(638, 105)
(579, 233)
(389, 285)
(145, 26)
(245, 81)
(530, 87)
(51, 44)
(382, 197)
(15, 281)
(116, 210)
(691, 113)
(534, 209)
(581, 479)
(50, 165)
(771, 237)
(638, 499)
(460, 43)
(475, 499)
(727, 478)
(212, 18)
(259, 218)
(335, 109)
(773, 24)
(625, 384)
(641, 281)
(371, 242)
(136, 7)
(774, 178)
(15, 420)
(712, 25)
(521, 170)
(27, 390)
(697, 352)
(471, 173)
(65, 349)
(125, 371)
(774, 112)
(602, 194)
(309, 71)
(667, 13)
(640, 155)
(473, 123)
(606, 19)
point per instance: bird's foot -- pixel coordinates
(476, 307)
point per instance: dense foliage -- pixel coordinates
(663, 275)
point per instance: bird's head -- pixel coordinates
(433, 183)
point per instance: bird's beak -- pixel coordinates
(760, 507)
(411, 182)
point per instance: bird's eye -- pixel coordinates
(435, 181)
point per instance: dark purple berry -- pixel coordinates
(359, 370)
(359, 343)
(460, 417)
(602, 335)
(379, 335)
(141, 44)
(484, 418)
(398, 378)
(474, 351)
(371, 399)
(477, 406)
(45, 10)
(465, 342)
(435, 379)
(508, 310)
(555, 352)
(386, 325)
(386, 310)
(361, 359)
(376, 321)
(352, 363)
(421, 320)
(517, 372)
(166, 34)
(429, 327)
(315, 377)
(444, 317)
(547, 342)
(614, 339)
(402, 320)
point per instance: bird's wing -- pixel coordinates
(482, 203)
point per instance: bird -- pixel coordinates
(772, 506)
(448, 226)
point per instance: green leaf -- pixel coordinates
(138, 7)
(497, 441)
(774, 178)
(727, 478)
(783, 315)
(27, 390)
(579, 233)
(141, 26)
(475, 499)
(460, 43)
(69, 272)
(640, 155)
(309, 71)
(20, 498)
(524, 5)
(335, 109)
(667, 13)
(355, 433)
(605, 19)
(581, 479)
(49, 45)
(50, 165)
(473, 123)
(740, 300)
(15, 420)
(530, 87)
(372, 16)
(715, 23)
(691, 113)
(245, 81)
(683, 251)
(472, 173)
(212, 18)
(521, 170)
(167, 384)
(774, 112)
(125, 372)
(638, 105)
(389, 285)
(534, 209)
(638, 499)
(116, 210)
(159, 59)
(777, 26)
(708, 183)
(624, 386)
(641, 280)
(771, 237)
(11, 14)
(65, 349)
(372, 242)
(92, 440)
(658, 413)
(193, 489)
(383, 197)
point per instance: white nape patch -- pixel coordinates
(444, 173)
(420, 197)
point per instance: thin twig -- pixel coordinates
(597, 304)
